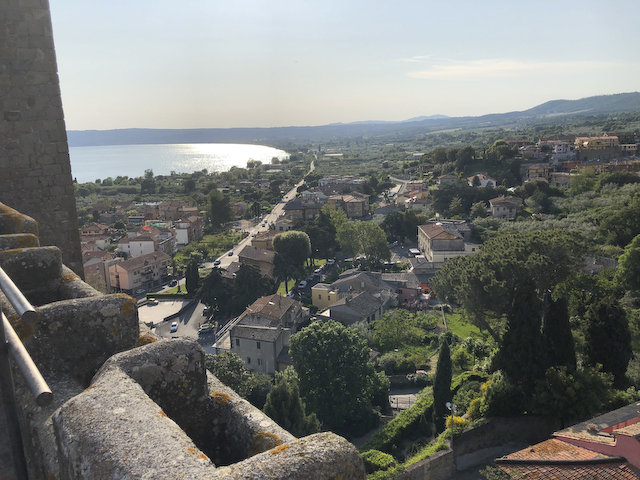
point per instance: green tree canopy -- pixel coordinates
(364, 238)
(285, 407)
(628, 271)
(293, 246)
(219, 208)
(486, 283)
(336, 378)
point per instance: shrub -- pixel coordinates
(375, 460)
(409, 422)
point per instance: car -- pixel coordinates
(173, 283)
(205, 328)
(230, 253)
(140, 291)
(174, 327)
(216, 263)
(317, 271)
(394, 244)
(331, 261)
(206, 311)
(291, 294)
(253, 234)
(152, 301)
(302, 284)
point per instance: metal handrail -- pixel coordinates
(36, 383)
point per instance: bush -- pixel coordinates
(375, 460)
(502, 398)
(409, 422)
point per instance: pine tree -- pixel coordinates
(442, 387)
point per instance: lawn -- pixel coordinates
(462, 328)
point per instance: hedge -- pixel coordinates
(404, 425)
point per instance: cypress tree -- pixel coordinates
(285, 407)
(557, 335)
(442, 387)
(608, 338)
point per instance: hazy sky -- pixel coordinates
(255, 63)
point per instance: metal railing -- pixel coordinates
(11, 346)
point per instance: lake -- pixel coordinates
(90, 163)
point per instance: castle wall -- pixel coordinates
(35, 171)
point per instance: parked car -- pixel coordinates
(152, 301)
(302, 284)
(174, 327)
(207, 327)
(291, 294)
(331, 261)
(216, 263)
(317, 271)
(173, 283)
(230, 253)
(140, 291)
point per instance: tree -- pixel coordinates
(96, 281)
(628, 271)
(293, 246)
(229, 368)
(148, 184)
(364, 238)
(522, 356)
(394, 329)
(213, 291)
(456, 207)
(556, 330)
(442, 386)
(192, 277)
(284, 271)
(219, 208)
(478, 210)
(608, 339)
(249, 285)
(336, 378)
(285, 407)
(485, 284)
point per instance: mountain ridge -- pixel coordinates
(600, 104)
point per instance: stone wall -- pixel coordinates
(35, 171)
(126, 405)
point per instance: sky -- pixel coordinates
(259, 63)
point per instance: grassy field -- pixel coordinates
(461, 327)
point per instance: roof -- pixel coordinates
(262, 334)
(555, 459)
(438, 231)
(258, 254)
(581, 431)
(284, 356)
(403, 280)
(361, 304)
(274, 306)
(516, 201)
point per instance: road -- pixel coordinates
(226, 260)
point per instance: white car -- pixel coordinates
(174, 327)
(216, 263)
(302, 284)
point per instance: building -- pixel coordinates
(264, 240)
(447, 180)
(352, 281)
(505, 207)
(602, 447)
(139, 273)
(188, 230)
(485, 180)
(283, 224)
(441, 241)
(560, 179)
(411, 291)
(356, 307)
(298, 209)
(137, 246)
(261, 334)
(260, 257)
(173, 210)
(95, 229)
(355, 205)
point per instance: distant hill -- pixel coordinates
(602, 104)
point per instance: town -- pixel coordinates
(432, 270)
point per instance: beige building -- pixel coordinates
(439, 242)
(139, 273)
(505, 207)
(260, 257)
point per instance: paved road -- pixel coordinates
(226, 260)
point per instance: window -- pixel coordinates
(319, 297)
(237, 342)
(259, 361)
(258, 345)
(248, 359)
(400, 291)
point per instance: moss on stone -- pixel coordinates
(221, 398)
(263, 441)
(279, 449)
